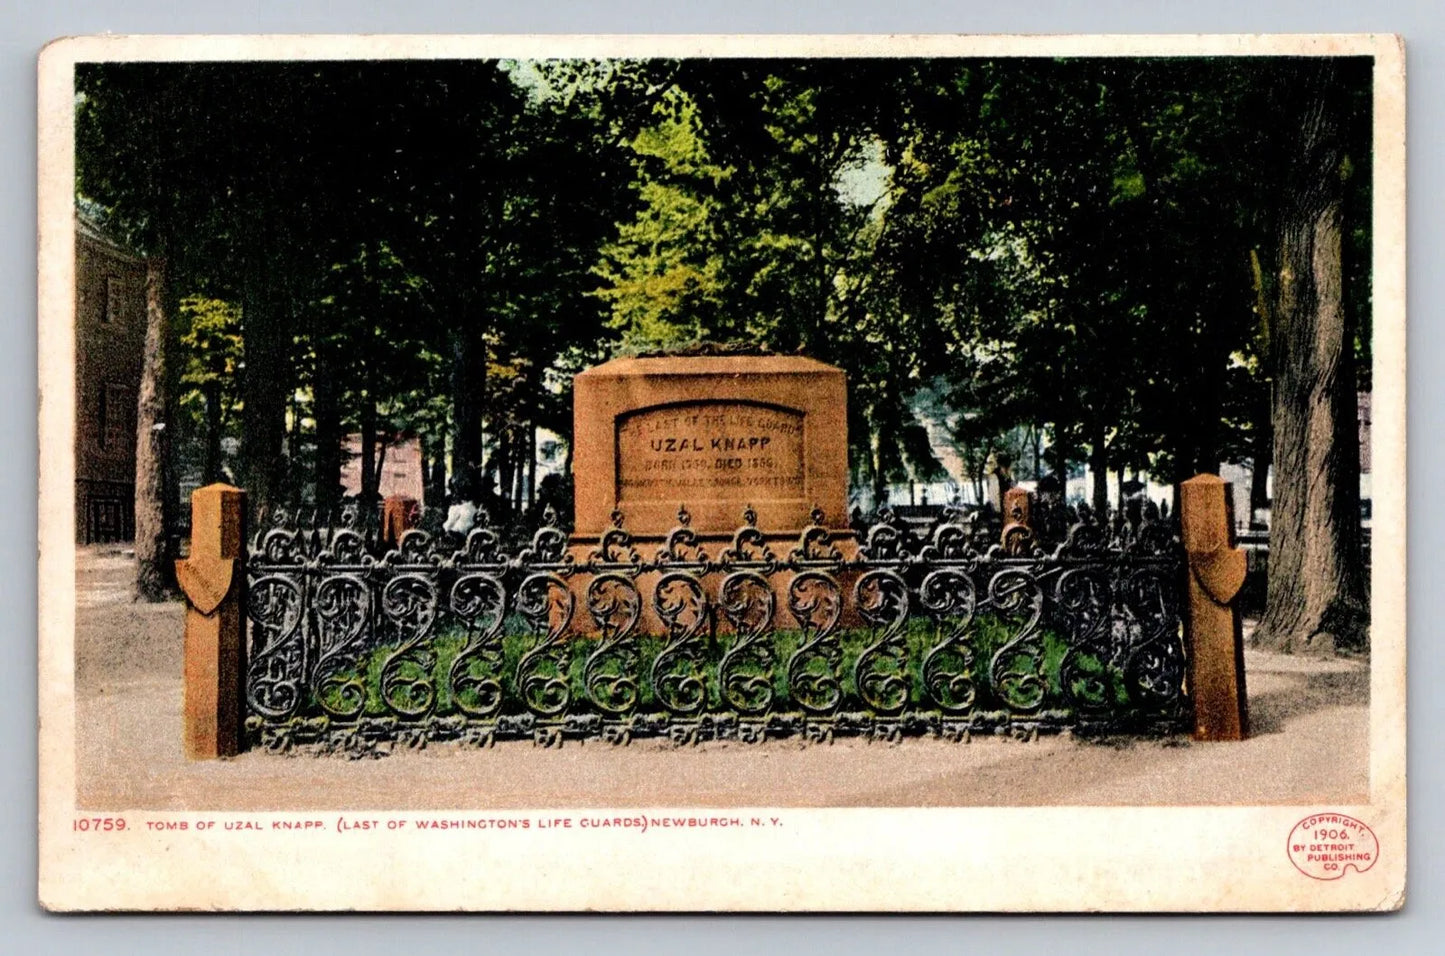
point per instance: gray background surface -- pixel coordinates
(26, 26)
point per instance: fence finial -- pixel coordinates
(1017, 536)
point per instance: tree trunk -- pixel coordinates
(1099, 464)
(170, 478)
(1180, 475)
(531, 464)
(468, 392)
(211, 471)
(1213, 360)
(153, 567)
(328, 432)
(1261, 411)
(1316, 592)
(383, 441)
(503, 457)
(368, 444)
(1059, 452)
(291, 482)
(439, 474)
(1034, 431)
(434, 474)
(519, 473)
(1179, 427)
(875, 468)
(973, 471)
(263, 388)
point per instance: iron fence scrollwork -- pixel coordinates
(356, 646)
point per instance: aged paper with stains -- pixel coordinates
(1306, 815)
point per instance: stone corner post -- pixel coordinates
(214, 581)
(1212, 626)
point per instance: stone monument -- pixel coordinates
(720, 436)
(714, 434)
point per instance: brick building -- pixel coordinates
(109, 344)
(401, 469)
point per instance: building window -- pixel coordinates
(114, 299)
(117, 417)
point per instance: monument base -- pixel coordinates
(651, 623)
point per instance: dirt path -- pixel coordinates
(1310, 717)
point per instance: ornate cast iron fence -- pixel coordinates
(355, 648)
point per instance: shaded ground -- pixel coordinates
(1310, 718)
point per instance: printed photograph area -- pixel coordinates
(886, 432)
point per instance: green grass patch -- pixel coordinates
(427, 674)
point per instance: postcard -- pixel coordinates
(722, 473)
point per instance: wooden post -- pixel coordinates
(1212, 628)
(214, 581)
(1017, 536)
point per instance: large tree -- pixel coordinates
(153, 574)
(1316, 594)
